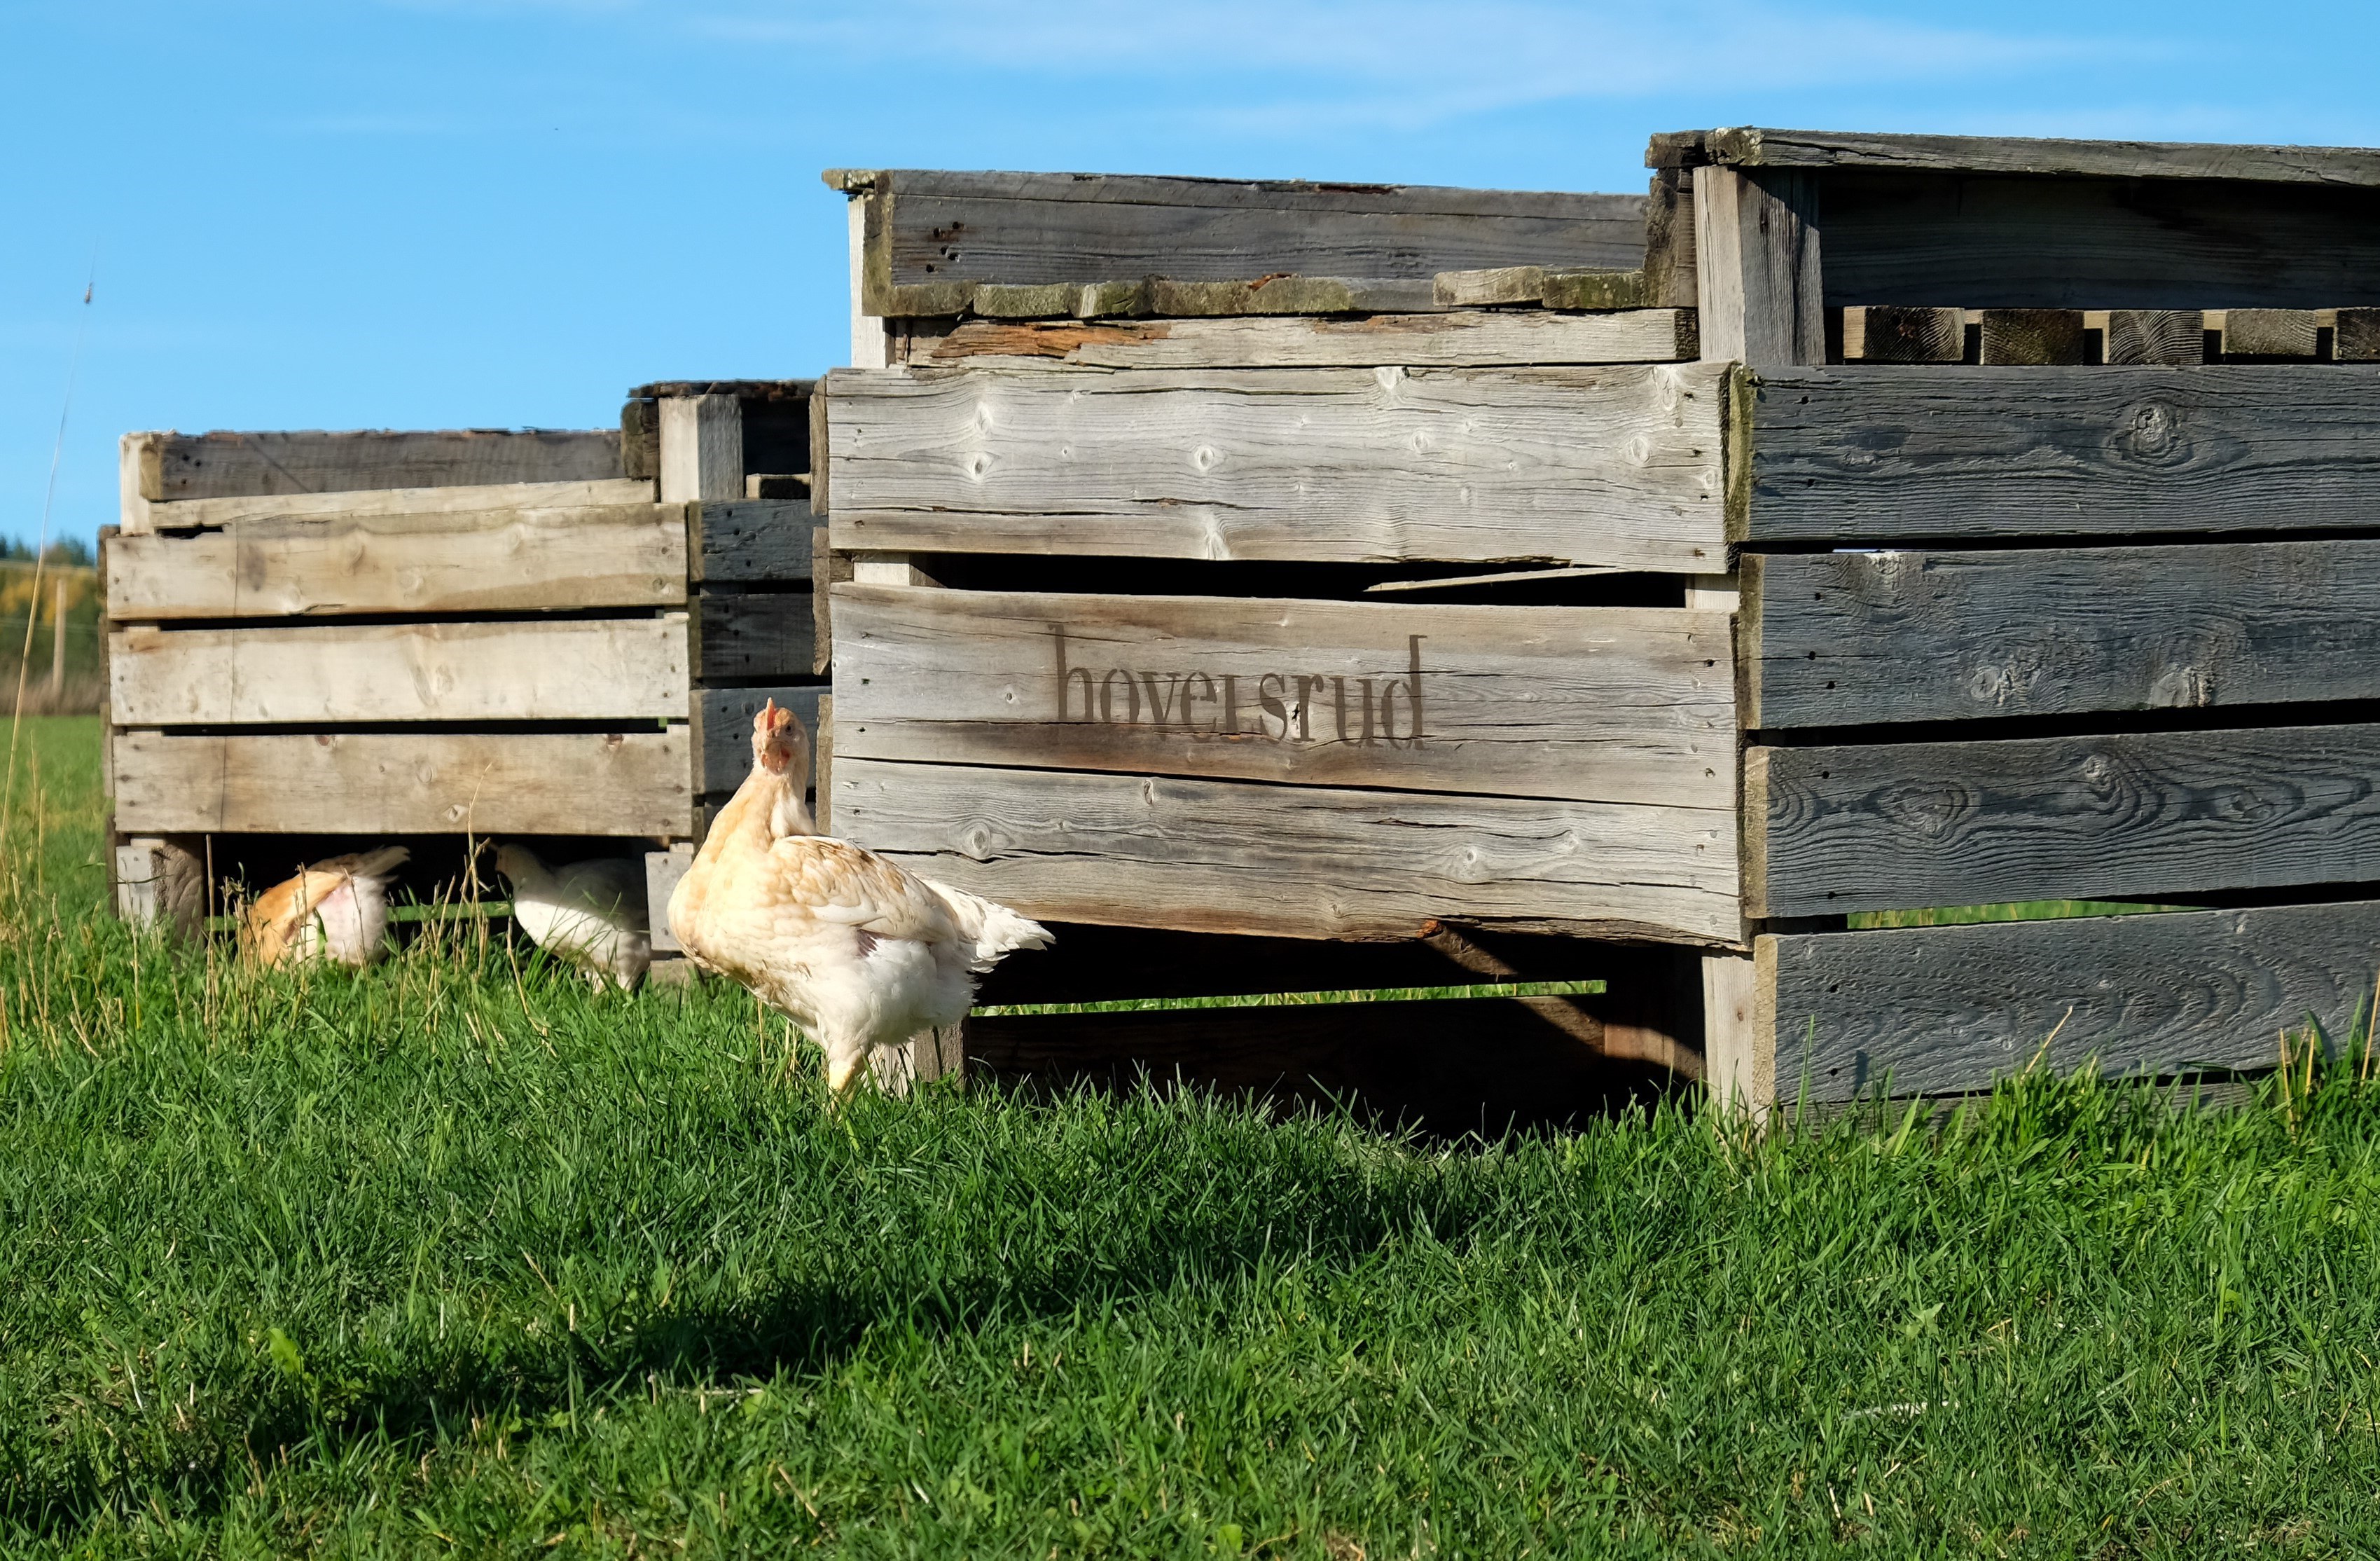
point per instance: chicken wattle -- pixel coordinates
(857, 951)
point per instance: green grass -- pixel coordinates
(459, 1258)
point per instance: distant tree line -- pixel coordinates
(71, 552)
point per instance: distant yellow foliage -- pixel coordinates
(18, 587)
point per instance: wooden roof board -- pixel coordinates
(1757, 147)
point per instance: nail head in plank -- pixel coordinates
(1299, 861)
(1939, 1010)
(1895, 825)
(412, 782)
(1851, 638)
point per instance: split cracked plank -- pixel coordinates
(1885, 826)
(576, 669)
(504, 560)
(412, 782)
(1847, 639)
(1299, 861)
(1623, 705)
(1939, 1010)
(1466, 338)
(1882, 455)
(1613, 465)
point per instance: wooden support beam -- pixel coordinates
(2163, 337)
(663, 870)
(172, 467)
(2271, 333)
(2358, 339)
(1739, 1051)
(1757, 268)
(1459, 338)
(749, 540)
(702, 447)
(1900, 333)
(2034, 336)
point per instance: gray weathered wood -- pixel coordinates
(1874, 455)
(749, 540)
(1671, 268)
(1601, 290)
(1899, 334)
(574, 669)
(722, 730)
(1738, 1052)
(1846, 639)
(413, 783)
(1499, 285)
(831, 568)
(1835, 829)
(1757, 253)
(2357, 338)
(2142, 336)
(929, 240)
(209, 466)
(1456, 339)
(1618, 465)
(1949, 1010)
(2034, 336)
(1596, 703)
(663, 870)
(2270, 333)
(1754, 147)
(1999, 242)
(1304, 861)
(201, 514)
(701, 448)
(749, 636)
(517, 560)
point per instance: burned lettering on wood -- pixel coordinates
(1207, 705)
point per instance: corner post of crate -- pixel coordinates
(663, 870)
(1739, 1052)
(701, 448)
(1761, 301)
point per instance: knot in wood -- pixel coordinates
(2152, 433)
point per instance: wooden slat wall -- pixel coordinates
(1305, 861)
(1615, 465)
(938, 243)
(1469, 339)
(429, 782)
(1609, 704)
(206, 466)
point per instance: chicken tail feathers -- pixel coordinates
(996, 931)
(374, 864)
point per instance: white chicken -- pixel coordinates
(337, 909)
(590, 914)
(858, 953)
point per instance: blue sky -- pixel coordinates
(427, 214)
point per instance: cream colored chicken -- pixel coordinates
(858, 953)
(336, 908)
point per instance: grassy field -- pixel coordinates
(456, 1258)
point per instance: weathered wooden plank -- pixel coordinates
(749, 540)
(701, 448)
(1994, 242)
(1598, 289)
(1874, 455)
(1756, 254)
(1456, 339)
(2168, 337)
(2270, 333)
(1499, 285)
(1847, 639)
(574, 669)
(930, 239)
(2035, 336)
(1943, 1009)
(1670, 271)
(1617, 465)
(748, 636)
(1593, 703)
(1300, 862)
(722, 730)
(2357, 338)
(201, 514)
(1829, 829)
(518, 560)
(433, 783)
(830, 569)
(1902, 334)
(224, 465)
(1757, 147)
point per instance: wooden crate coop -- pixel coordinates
(1855, 525)
(322, 640)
